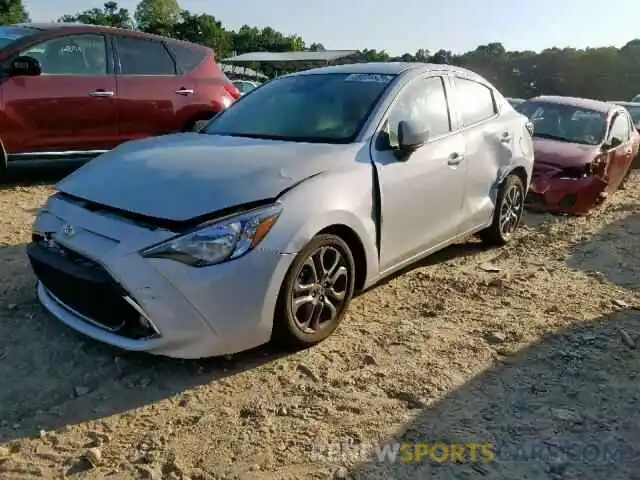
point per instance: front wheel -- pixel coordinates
(315, 294)
(507, 214)
(625, 180)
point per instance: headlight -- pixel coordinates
(220, 241)
(226, 102)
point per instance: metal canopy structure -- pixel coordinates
(326, 57)
(242, 71)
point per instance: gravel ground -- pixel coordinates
(533, 347)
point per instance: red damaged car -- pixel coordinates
(584, 150)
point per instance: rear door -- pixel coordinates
(150, 90)
(70, 107)
(488, 140)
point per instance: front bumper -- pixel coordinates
(103, 287)
(549, 192)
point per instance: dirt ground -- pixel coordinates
(532, 347)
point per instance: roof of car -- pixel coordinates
(625, 103)
(101, 28)
(52, 25)
(578, 102)
(385, 68)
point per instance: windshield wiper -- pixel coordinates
(285, 138)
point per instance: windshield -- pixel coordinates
(565, 122)
(325, 108)
(635, 113)
(10, 34)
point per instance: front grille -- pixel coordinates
(83, 286)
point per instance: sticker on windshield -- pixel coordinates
(369, 77)
(579, 114)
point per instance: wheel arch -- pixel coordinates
(352, 239)
(4, 159)
(196, 117)
(518, 170)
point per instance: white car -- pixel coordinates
(245, 85)
(264, 224)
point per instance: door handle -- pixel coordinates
(506, 137)
(185, 91)
(101, 93)
(455, 158)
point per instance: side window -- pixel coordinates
(423, 101)
(139, 56)
(620, 128)
(71, 55)
(187, 58)
(474, 100)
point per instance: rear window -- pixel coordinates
(139, 56)
(187, 58)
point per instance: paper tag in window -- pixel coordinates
(369, 77)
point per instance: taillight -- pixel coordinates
(232, 90)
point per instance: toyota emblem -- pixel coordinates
(68, 230)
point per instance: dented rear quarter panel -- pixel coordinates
(490, 160)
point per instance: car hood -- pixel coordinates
(563, 154)
(180, 177)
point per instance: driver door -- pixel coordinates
(422, 194)
(70, 107)
(620, 156)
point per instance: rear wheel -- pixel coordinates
(507, 214)
(315, 294)
(3, 165)
(625, 180)
(196, 123)
(199, 125)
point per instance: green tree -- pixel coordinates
(12, 11)
(157, 16)
(111, 15)
(204, 29)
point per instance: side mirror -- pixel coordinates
(25, 66)
(411, 136)
(614, 142)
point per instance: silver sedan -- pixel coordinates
(263, 225)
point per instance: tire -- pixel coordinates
(289, 326)
(195, 123)
(625, 180)
(3, 167)
(199, 125)
(510, 196)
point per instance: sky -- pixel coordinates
(456, 25)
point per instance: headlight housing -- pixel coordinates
(219, 241)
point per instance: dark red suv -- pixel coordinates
(71, 91)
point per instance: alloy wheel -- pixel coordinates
(320, 290)
(511, 210)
